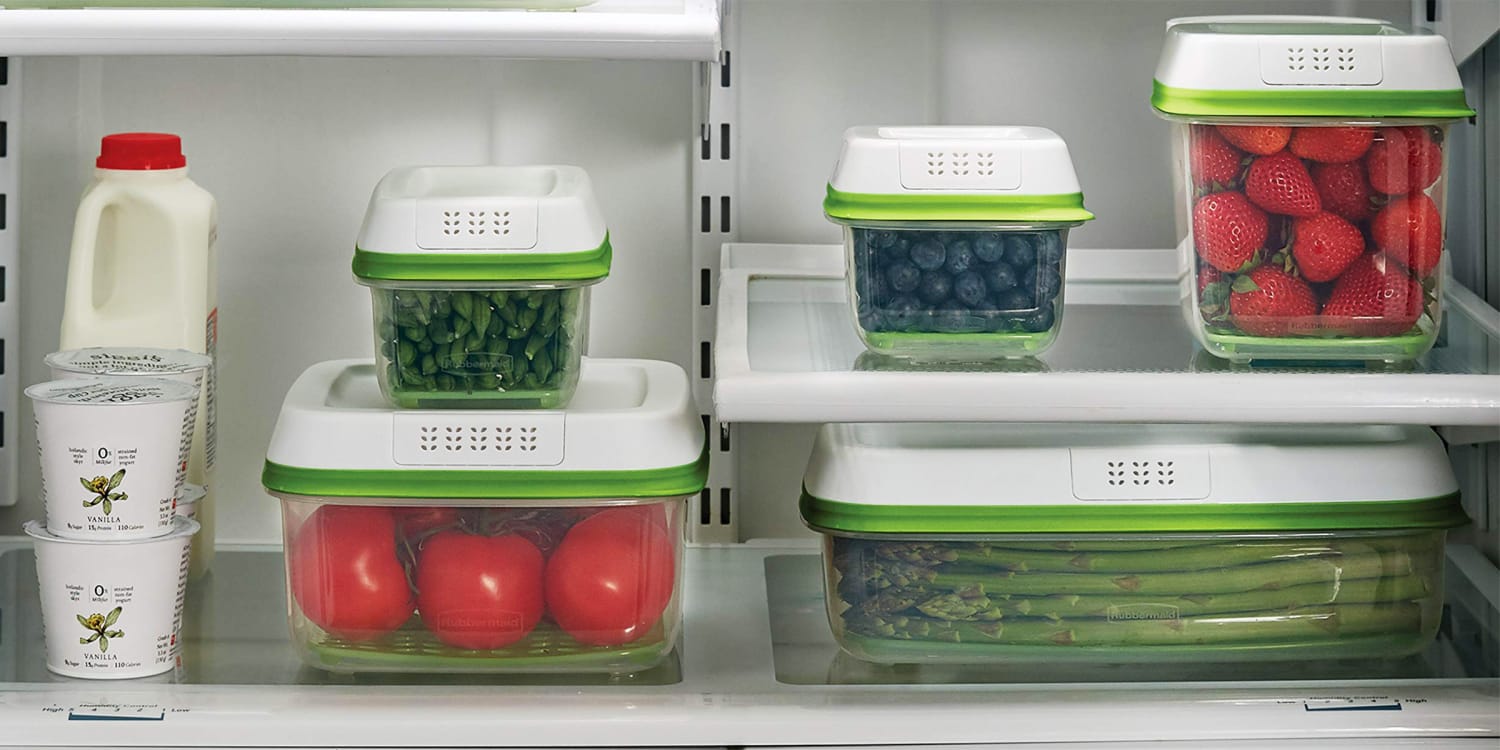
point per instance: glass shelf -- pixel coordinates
(786, 351)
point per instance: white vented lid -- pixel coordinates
(1305, 66)
(534, 223)
(917, 478)
(629, 431)
(954, 173)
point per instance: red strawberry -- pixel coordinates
(1257, 139)
(1227, 230)
(1208, 275)
(1404, 160)
(1212, 160)
(1343, 189)
(1280, 184)
(1373, 298)
(1271, 302)
(1324, 245)
(1331, 145)
(1410, 231)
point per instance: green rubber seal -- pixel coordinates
(1062, 208)
(525, 484)
(584, 266)
(1304, 102)
(1103, 518)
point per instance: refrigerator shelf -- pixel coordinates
(786, 352)
(611, 29)
(756, 665)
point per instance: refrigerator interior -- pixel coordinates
(686, 156)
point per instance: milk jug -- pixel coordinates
(142, 272)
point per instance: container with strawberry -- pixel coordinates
(1311, 199)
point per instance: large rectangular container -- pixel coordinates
(479, 279)
(441, 541)
(955, 238)
(1105, 544)
(1309, 160)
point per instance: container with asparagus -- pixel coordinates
(1337, 594)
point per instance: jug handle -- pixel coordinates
(78, 300)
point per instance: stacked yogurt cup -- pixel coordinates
(113, 552)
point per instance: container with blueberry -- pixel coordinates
(945, 260)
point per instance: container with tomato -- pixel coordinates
(490, 541)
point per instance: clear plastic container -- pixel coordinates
(1309, 156)
(969, 598)
(954, 291)
(498, 346)
(955, 238)
(442, 585)
(1294, 256)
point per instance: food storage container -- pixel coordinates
(955, 237)
(1309, 163)
(1105, 544)
(494, 541)
(479, 278)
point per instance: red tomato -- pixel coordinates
(416, 521)
(479, 592)
(345, 575)
(611, 577)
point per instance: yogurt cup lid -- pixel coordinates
(112, 392)
(181, 526)
(191, 493)
(128, 360)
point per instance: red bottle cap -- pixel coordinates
(140, 151)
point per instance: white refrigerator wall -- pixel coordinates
(292, 146)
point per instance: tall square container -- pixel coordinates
(1105, 544)
(486, 541)
(1309, 157)
(479, 279)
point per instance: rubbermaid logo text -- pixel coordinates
(473, 620)
(1128, 612)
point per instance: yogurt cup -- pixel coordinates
(187, 500)
(112, 609)
(180, 365)
(114, 454)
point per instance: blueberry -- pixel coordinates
(1043, 279)
(1049, 248)
(998, 277)
(928, 254)
(902, 312)
(1038, 321)
(969, 289)
(880, 238)
(1016, 300)
(957, 321)
(871, 317)
(902, 276)
(1018, 250)
(988, 247)
(998, 322)
(935, 287)
(960, 257)
(894, 250)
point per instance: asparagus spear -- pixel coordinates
(1263, 576)
(1315, 623)
(974, 605)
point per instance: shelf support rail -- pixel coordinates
(10, 279)
(715, 177)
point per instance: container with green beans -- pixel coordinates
(480, 281)
(482, 347)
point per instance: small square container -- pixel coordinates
(955, 238)
(1114, 544)
(486, 541)
(479, 279)
(1309, 160)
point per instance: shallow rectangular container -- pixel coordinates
(479, 279)
(1309, 160)
(1117, 544)
(955, 238)
(441, 541)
